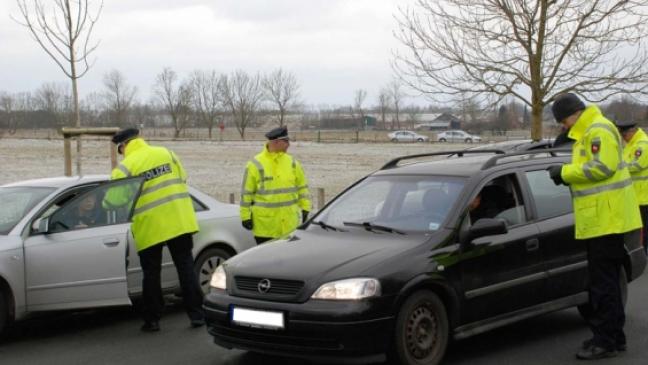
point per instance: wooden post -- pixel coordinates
(320, 198)
(113, 155)
(357, 136)
(67, 156)
(232, 196)
(319, 137)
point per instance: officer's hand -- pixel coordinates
(247, 224)
(554, 173)
(304, 216)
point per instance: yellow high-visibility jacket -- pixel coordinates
(164, 209)
(604, 200)
(274, 192)
(635, 155)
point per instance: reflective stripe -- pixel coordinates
(245, 177)
(123, 169)
(600, 189)
(596, 164)
(613, 131)
(245, 204)
(583, 153)
(303, 196)
(261, 172)
(276, 205)
(303, 187)
(639, 178)
(159, 202)
(161, 185)
(277, 191)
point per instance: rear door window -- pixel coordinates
(550, 200)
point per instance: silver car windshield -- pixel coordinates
(404, 203)
(16, 202)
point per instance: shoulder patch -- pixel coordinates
(638, 153)
(596, 147)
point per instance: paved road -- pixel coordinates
(112, 336)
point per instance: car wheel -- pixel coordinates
(421, 334)
(585, 310)
(420, 140)
(394, 139)
(442, 139)
(468, 140)
(4, 314)
(206, 263)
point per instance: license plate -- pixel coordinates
(258, 318)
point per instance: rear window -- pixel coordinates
(16, 202)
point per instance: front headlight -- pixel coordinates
(219, 279)
(348, 289)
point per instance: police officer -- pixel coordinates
(605, 207)
(163, 215)
(635, 155)
(274, 196)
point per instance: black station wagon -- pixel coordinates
(429, 248)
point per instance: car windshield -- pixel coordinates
(401, 203)
(17, 201)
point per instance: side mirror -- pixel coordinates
(486, 227)
(41, 225)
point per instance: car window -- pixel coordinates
(500, 198)
(197, 205)
(16, 202)
(550, 199)
(107, 204)
(406, 203)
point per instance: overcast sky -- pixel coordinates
(334, 47)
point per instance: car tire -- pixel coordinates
(394, 139)
(442, 139)
(4, 314)
(421, 333)
(469, 140)
(585, 310)
(420, 140)
(206, 263)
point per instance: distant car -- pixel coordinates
(457, 136)
(47, 264)
(407, 136)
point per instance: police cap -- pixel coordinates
(566, 105)
(277, 133)
(625, 124)
(125, 135)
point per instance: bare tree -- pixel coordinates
(53, 98)
(281, 88)
(8, 108)
(396, 95)
(118, 96)
(384, 100)
(206, 98)
(357, 109)
(242, 95)
(531, 49)
(175, 98)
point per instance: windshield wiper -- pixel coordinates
(373, 227)
(326, 226)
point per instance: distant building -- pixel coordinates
(443, 121)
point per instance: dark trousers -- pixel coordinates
(644, 230)
(605, 259)
(151, 261)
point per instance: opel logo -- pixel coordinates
(264, 286)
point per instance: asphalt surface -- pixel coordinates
(112, 336)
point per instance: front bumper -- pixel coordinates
(316, 329)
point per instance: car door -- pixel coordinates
(565, 257)
(503, 273)
(73, 263)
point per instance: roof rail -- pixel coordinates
(552, 151)
(460, 153)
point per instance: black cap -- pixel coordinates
(625, 124)
(125, 135)
(277, 133)
(566, 105)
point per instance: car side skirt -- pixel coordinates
(482, 326)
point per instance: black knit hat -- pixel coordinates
(566, 105)
(125, 135)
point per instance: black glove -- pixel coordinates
(554, 173)
(304, 216)
(247, 224)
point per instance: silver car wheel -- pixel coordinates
(206, 263)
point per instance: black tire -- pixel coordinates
(394, 139)
(442, 139)
(420, 140)
(421, 333)
(4, 314)
(206, 263)
(468, 140)
(585, 310)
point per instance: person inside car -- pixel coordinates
(485, 204)
(84, 213)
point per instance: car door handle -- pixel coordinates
(110, 242)
(532, 244)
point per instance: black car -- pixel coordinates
(409, 257)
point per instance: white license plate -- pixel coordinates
(258, 318)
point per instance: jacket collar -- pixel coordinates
(639, 135)
(271, 155)
(577, 131)
(134, 145)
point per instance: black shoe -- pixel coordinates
(195, 323)
(619, 347)
(153, 326)
(594, 353)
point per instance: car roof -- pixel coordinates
(60, 181)
(515, 145)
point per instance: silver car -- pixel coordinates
(50, 262)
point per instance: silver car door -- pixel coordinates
(75, 263)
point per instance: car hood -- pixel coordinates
(314, 254)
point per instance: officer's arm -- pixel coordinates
(304, 201)
(248, 189)
(116, 196)
(603, 158)
(639, 161)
